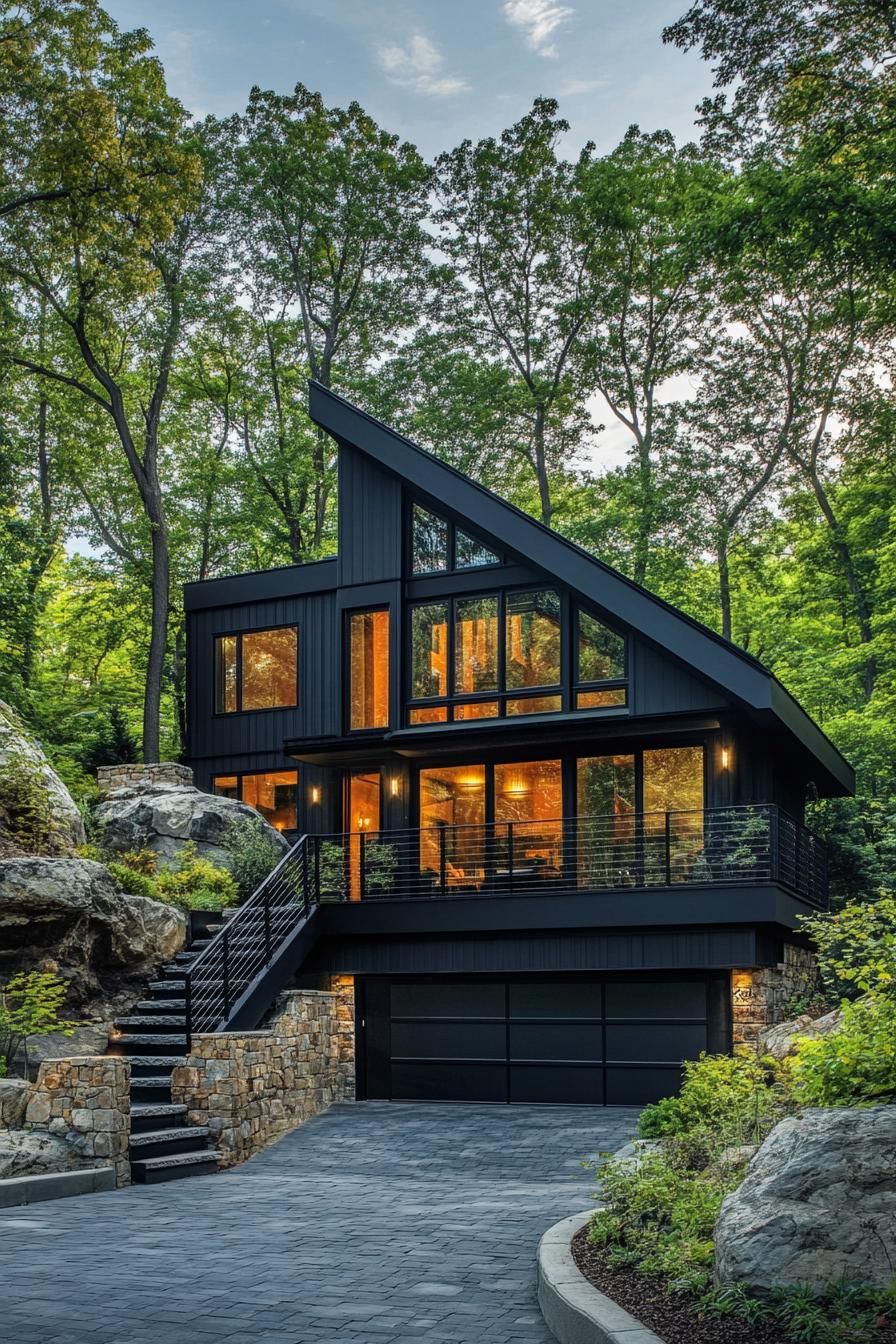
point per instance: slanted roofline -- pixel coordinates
(714, 658)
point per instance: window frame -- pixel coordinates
(453, 528)
(238, 636)
(239, 776)
(347, 615)
(567, 688)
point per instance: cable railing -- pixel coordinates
(728, 845)
(240, 952)
(753, 843)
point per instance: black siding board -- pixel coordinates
(660, 685)
(370, 532)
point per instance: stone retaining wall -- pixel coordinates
(251, 1088)
(111, 777)
(762, 998)
(86, 1101)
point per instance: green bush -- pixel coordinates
(29, 1006)
(856, 948)
(740, 1098)
(134, 883)
(195, 883)
(25, 808)
(2, 1066)
(843, 1313)
(253, 853)
(854, 1066)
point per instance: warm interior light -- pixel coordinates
(726, 756)
(517, 785)
(315, 794)
(469, 782)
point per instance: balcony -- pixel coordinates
(727, 846)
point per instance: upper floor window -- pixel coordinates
(600, 658)
(369, 669)
(438, 546)
(273, 793)
(257, 669)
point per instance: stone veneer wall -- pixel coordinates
(111, 777)
(760, 998)
(86, 1100)
(252, 1087)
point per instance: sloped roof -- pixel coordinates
(735, 672)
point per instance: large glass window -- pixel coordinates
(256, 670)
(532, 639)
(601, 652)
(369, 669)
(429, 650)
(476, 645)
(273, 793)
(452, 818)
(469, 553)
(673, 780)
(529, 802)
(429, 542)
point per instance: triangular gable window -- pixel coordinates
(437, 545)
(469, 553)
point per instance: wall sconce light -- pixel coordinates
(315, 794)
(726, 758)
(395, 787)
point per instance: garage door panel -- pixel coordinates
(550, 1084)
(555, 1041)
(655, 1041)
(448, 1081)
(656, 998)
(451, 1040)
(451, 998)
(641, 1085)
(556, 998)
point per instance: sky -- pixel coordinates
(435, 71)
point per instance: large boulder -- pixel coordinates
(72, 912)
(166, 817)
(781, 1040)
(25, 1152)
(14, 1094)
(818, 1204)
(16, 747)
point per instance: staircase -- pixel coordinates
(154, 1038)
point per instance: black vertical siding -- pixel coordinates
(370, 532)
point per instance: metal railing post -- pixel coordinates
(510, 856)
(362, 865)
(774, 845)
(668, 833)
(225, 972)
(188, 1007)
(443, 862)
(266, 911)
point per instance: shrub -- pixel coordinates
(2, 1067)
(112, 742)
(856, 947)
(25, 808)
(195, 883)
(253, 852)
(738, 1097)
(29, 1006)
(134, 883)
(855, 1065)
(140, 861)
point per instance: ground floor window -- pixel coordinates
(274, 793)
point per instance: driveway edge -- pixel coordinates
(573, 1309)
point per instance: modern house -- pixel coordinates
(551, 827)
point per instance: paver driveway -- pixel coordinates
(373, 1223)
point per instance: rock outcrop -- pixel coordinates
(780, 1041)
(35, 1153)
(165, 817)
(17, 747)
(818, 1204)
(71, 912)
(14, 1096)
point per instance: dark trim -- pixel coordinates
(260, 585)
(238, 635)
(695, 646)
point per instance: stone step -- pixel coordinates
(150, 1115)
(159, 1022)
(173, 975)
(148, 1042)
(183, 958)
(161, 1006)
(168, 1142)
(152, 1089)
(153, 1170)
(173, 984)
(151, 1066)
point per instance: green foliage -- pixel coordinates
(854, 1066)
(2, 1066)
(141, 861)
(738, 1098)
(133, 882)
(112, 742)
(843, 1313)
(29, 1006)
(856, 948)
(253, 854)
(195, 883)
(25, 808)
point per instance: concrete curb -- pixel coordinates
(574, 1311)
(20, 1190)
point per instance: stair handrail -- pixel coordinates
(248, 941)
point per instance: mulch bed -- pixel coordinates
(675, 1317)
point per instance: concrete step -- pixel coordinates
(150, 1115)
(161, 1006)
(170, 986)
(149, 1042)
(152, 1089)
(168, 1142)
(158, 1022)
(153, 1170)
(152, 1066)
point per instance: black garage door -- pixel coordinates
(574, 1040)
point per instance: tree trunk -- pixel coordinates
(644, 533)
(541, 470)
(860, 601)
(159, 587)
(724, 582)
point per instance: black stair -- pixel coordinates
(153, 1036)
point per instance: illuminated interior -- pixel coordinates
(429, 650)
(530, 795)
(364, 818)
(476, 645)
(532, 639)
(226, 674)
(452, 817)
(369, 671)
(269, 668)
(273, 792)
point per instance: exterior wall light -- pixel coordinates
(726, 758)
(315, 794)
(395, 787)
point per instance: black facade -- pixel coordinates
(512, 763)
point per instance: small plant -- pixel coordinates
(253, 854)
(380, 866)
(25, 811)
(195, 883)
(2, 1066)
(333, 870)
(853, 1066)
(740, 1098)
(140, 861)
(133, 882)
(29, 1006)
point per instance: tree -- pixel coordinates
(109, 264)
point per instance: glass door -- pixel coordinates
(363, 820)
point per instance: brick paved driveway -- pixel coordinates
(373, 1223)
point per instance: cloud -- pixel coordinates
(538, 19)
(418, 66)
(572, 87)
